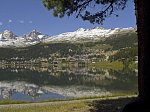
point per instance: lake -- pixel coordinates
(36, 84)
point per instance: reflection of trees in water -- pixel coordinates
(109, 79)
(126, 79)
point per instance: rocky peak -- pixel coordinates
(7, 34)
(33, 35)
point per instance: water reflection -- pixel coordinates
(24, 91)
(36, 83)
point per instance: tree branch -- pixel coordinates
(100, 15)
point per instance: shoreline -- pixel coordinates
(28, 103)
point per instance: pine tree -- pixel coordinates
(81, 8)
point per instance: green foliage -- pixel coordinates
(102, 46)
(53, 107)
(133, 65)
(122, 40)
(116, 65)
(6, 102)
(126, 54)
(40, 50)
(82, 8)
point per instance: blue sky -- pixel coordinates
(22, 16)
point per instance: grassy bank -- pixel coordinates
(116, 65)
(60, 107)
(83, 104)
(6, 102)
(107, 105)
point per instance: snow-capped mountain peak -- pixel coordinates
(8, 39)
(84, 35)
(7, 34)
(34, 35)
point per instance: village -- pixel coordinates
(55, 60)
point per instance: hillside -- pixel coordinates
(41, 47)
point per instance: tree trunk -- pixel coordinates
(142, 104)
(143, 29)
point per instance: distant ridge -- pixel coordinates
(9, 39)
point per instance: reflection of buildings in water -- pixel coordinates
(136, 72)
(39, 68)
(31, 67)
(7, 89)
(57, 71)
(87, 75)
(83, 74)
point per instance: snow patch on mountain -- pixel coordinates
(1, 36)
(8, 39)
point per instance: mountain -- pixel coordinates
(34, 36)
(86, 35)
(9, 39)
(7, 34)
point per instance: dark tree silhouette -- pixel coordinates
(105, 8)
(82, 8)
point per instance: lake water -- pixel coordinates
(45, 83)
